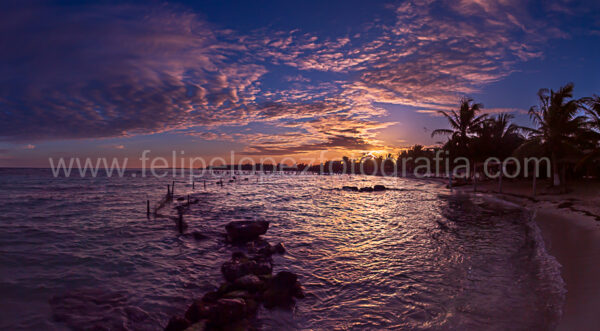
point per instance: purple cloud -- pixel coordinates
(110, 71)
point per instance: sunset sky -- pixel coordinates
(274, 78)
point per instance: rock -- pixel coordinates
(246, 179)
(238, 294)
(238, 256)
(249, 283)
(232, 180)
(259, 246)
(200, 326)
(177, 323)
(261, 267)
(246, 230)
(280, 290)
(198, 310)
(226, 311)
(235, 269)
(180, 199)
(241, 325)
(251, 306)
(279, 249)
(240, 265)
(199, 235)
(379, 188)
(212, 296)
(366, 189)
(349, 188)
(298, 291)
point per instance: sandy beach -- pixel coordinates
(570, 226)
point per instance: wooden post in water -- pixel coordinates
(534, 178)
(188, 199)
(173, 189)
(500, 180)
(148, 208)
(474, 178)
(168, 190)
(193, 184)
(180, 222)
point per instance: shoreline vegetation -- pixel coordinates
(564, 140)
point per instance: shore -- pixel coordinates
(570, 226)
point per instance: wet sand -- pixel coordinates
(574, 240)
(570, 226)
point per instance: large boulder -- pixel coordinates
(261, 266)
(240, 265)
(281, 290)
(349, 188)
(366, 189)
(235, 269)
(259, 246)
(226, 311)
(242, 231)
(262, 248)
(249, 283)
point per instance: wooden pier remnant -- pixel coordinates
(148, 208)
(180, 221)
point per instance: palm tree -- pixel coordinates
(559, 126)
(592, 107)
(463, 123)
(593, 110)
(497, 137)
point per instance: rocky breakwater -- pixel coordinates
(376, 188)
(248, 283)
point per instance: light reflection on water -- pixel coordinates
(414, 257)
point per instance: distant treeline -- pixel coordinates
(565, 133)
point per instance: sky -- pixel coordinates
(274, 78)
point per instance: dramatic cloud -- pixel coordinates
(108, 71)
(101, 72)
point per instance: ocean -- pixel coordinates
(80, 253)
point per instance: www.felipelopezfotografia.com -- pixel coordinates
(439, 165)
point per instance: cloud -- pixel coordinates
(114, 71)
(120, 70)
(484, 111)
(432, 53)
(296, 78)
